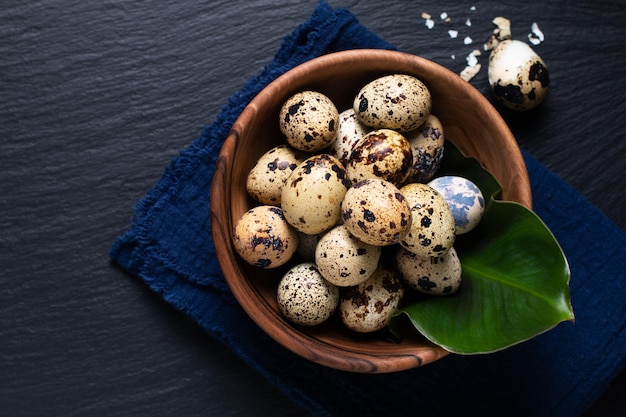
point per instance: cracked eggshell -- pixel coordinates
(311, 198)
(263, 238)
(369, 306)
(517, 75)
(382, 153)
(464, 199)
(350, 131)
(432, 275)
(376, 212)
(344, 260)
(309, 121)
(305, 297)
(268, 176)
(397, 101)
(432, 231)
(427, 146)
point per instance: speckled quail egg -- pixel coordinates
(307, 245)
(382, 153)
(517, 75)
(268, 176)
(433, 275)
(311, 198)
(464, 198)
(427, 145)
(350, 131)
(305, 297)
(309, 121)
(432, 231)
(397, 101)
(369, 306)
(262, 237)
(376, 212)
(344, 260)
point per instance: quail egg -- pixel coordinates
(382, 153)
(268, 176)
(517, 75)
(376, 212)
(344, 260)
(311, 198)
(432, 230)
(262, 237)
(369, 306)
(427, 144)
(433, 275)
(464, 199)
(309, 121)
(307, 244)
(305, 297)
(397, 101)
(350, 131)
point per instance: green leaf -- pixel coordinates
(515, 277)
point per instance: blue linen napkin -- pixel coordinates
(559, 373)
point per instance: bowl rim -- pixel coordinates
(286, 334)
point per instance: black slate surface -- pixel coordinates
(95, 99)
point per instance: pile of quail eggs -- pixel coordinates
(343, 187)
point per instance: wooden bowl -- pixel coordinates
(469, 121)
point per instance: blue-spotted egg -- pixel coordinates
(464, 198)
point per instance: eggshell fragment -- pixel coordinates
(344, 260)
(432, 275)
(262, 237)
(397, 101)
(517, 75)
(376, 212)
(268, 176)
(309, 121)
(311, 198)
(464, 199)
(432, 231)
(305, 297)
(369, 306)
(427, 145)
(382, 153)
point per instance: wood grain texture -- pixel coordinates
(96, 99)
(469, 121)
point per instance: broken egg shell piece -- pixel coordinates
(517, 75)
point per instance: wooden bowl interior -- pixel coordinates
(469, 121)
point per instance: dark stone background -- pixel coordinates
(97, 96)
